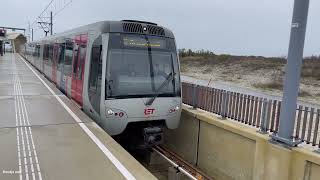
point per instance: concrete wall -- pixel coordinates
(226, 150)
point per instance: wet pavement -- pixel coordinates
(41, 139)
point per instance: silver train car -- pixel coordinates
(123, 74)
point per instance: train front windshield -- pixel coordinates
(142, 66)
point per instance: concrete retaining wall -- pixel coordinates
(226, 150)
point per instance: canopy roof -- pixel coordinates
(13, 36)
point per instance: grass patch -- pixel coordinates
(304, 94)
(278, 86)
(269, 85)
(183, 68)
(207, 70)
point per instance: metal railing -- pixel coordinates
(258, 112)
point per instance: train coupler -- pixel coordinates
(152, 136)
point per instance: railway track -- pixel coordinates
(180, 164)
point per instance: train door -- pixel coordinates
(74, 71)
(42, 59)
(55, 62)
(60, 76)
(78, 67)
(66, 69)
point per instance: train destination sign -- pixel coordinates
(142, 42)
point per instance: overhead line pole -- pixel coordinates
(43, 11)
(51, 23)
(293, 73)
(29, 31)
(46, 23)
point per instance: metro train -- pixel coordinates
(123, 74)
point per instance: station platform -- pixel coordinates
(45, 136)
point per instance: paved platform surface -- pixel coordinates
(43, 135)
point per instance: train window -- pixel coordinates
(139, 64)
(68, 59)
(61, 56)
(50, 51)
(75, 59)
(38, 51)
(95, 74)
(55, 54)
(30, 50)
(35, 51)
(82, 52)
(45, 52)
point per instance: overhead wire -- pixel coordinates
(55, 6)
(48, 5)
(68, 3)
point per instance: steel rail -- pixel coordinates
(182, 166)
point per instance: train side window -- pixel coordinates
(75, 59)
(55, 54)
(68, 58)
(45, 52)
(38, 51)
(95, 74)
(34, 52)
(61, 56)
(50, 51)
(82, 53)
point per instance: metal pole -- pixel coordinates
(264, 117)
(32, 34)
(293, 70)
(51, 23)
(29, 30)
(224, 104)
(195, 89)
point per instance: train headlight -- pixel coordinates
(174, 109)
(110, 112)
(115, 113)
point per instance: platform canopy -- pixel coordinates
(13, 36)
(17, 40)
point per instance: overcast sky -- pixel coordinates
(240, 27)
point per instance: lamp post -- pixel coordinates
(292, 76)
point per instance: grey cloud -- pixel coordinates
(246, 27)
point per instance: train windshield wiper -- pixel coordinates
(169, 78)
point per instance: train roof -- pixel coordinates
(124, 26)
